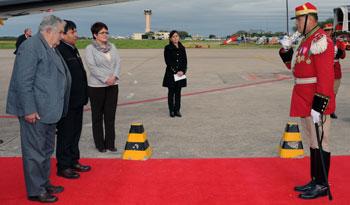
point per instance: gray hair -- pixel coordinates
(27, 29)
(50, 22)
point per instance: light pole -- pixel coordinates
(287, 17)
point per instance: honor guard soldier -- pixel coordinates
(311, 62)
(339, 53)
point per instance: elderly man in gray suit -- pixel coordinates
(39, 95)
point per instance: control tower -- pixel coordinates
(148, 13)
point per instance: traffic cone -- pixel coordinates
(291, 145)
(137, 147)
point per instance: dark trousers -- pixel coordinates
(68, 135)
(174, 99)
(37, 143)
(103, 102)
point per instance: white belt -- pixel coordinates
(336, 60)
(305, 80)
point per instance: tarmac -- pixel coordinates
(236, 105)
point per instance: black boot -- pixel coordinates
(321, 188)
(312, 183)
(334, 116)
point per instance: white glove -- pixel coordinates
(295, 36)
(316, 116)
(335, 50)
(286, 42)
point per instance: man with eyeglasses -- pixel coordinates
(69, 127)
(38, 95)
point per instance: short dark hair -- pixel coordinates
(70, 25)
(97, 27)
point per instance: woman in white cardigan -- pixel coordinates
(103, 62)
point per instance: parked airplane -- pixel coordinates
(232, 40)
(12, 8)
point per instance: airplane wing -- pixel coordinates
(12, 8)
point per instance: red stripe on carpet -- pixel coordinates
(183, 181)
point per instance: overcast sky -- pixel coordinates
(203, 17)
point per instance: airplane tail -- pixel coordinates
(233, 38)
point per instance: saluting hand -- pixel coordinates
(286, 42)
(32, 118)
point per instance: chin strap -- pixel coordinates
(305, 24)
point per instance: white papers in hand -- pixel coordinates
(177, 78)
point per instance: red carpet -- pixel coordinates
(183, 181)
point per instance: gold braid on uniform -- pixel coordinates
(320, 103)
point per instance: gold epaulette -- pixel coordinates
(319, 44)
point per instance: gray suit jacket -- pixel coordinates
(40, 82)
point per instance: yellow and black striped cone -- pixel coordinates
(291, 145)
(137, 147)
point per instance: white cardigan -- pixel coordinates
(100, 67)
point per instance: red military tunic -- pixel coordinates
(312, 58)
(337, 68)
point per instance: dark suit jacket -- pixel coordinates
(19, 41)
(78, 92)
(176, 60)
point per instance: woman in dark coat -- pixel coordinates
(176, 64)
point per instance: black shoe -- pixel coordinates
(334, 116)
(112, 149)
(178, 114)
(101, 149)
(305, 187)
(51, 189)
(81, 168)
(44, 198)
(68, 174)
(317, 191)
(172, 114)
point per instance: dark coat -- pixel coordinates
(19, 41)
(78, 92)
(176, 60)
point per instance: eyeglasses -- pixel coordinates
(104, 32)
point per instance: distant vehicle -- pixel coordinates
(261, 40)
(345, 38)
(342, 18)
(342, 23)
